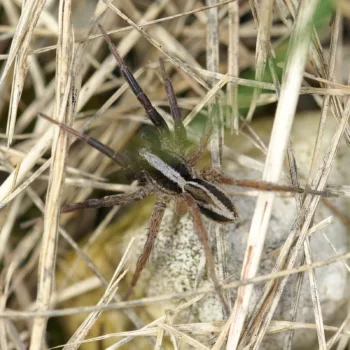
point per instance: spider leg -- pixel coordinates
(155, 117)
(154, 225)
(108, 201)
(180, 131)
(214, 175)
(203, 143)
(109, 152)
(203, 237)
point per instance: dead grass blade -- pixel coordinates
(292, 79)
(307, 213)
(53, 198)
(210, 94)
(217, 123)
(18, 52)
(160, 47)
(233, 64)
(182, 336)
(16, 315)
(30, 13)
(111, 289)
(315, 298)
(263, 21)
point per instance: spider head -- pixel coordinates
(212, 201)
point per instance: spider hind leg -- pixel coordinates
(154, 226)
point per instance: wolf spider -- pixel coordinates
(166, 169)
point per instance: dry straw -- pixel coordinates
(61, 69)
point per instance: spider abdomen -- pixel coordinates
(212, 201)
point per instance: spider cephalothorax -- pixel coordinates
(167, 171)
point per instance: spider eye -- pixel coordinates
(212, 201)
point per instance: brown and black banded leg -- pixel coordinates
(154, 225)
(203, 237)
(108, 201)
(101, 147)
(213, 175)
(180, 131)
(155, 117)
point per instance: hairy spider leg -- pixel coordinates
(109, 201)
(203, 237)
(212, 175)
(203, 143)
(154, 226)
(180, 131)
(151, 111)
(101, 147)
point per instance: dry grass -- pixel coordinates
(54, 61)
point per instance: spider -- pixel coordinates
(167, 169)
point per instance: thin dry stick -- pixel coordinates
(212, 55)
(208, 329)
(97, 232)
(27, 22)
(315, 159)
(292, 79)
(6, 228)
(71, 170)
(25, 184)
(173, 339)
(252, 329)
(59, 151)
(262, 46)
(160, 47)
(174, 312)
(288, 339)
(335, 337)
(307, 249)
(159, 340)
(43, 32)
(309, 208)
(108, 295)
(233, 64)
(297, 290)
(17, 315)
(182, 336)
(318, 60)
(341, 90)
(307, 255)
(210, 94)
(239, 81)
(316, 304)
(326, 100)
(18, 53)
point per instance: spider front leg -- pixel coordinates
(180, 131)
(154, 225)
(153, 114)
(108, 201)
(203, 237)
(203, 143)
